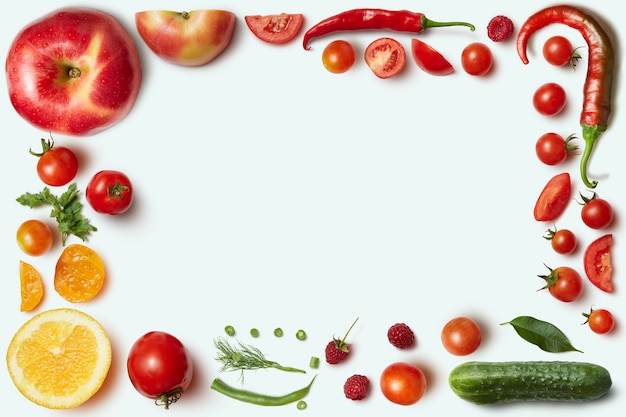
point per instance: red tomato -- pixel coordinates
(57, 165)
(275, 28)
(600, 321)
(461, 336)
(477, 59)
(551, 148)
(549, 99)
(109, 192)
(563, 241)
(564, 283)
(403, 383)
(553, 198)
(34, 237)
(338, 56)
(557, 50)
(386, 57)
(159, 367)
(597, 261)
(597, 213)
(429, 59)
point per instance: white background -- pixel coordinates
(272, 193)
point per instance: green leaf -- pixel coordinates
(545, 335)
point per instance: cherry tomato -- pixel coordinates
(564, 283)
(429, 59)
(558, 51)
(461, 336)
(553, 198)
(34, 237)
(403, 383)
(386, 57)
(477, 59)
(338, 56)
(600, 321)
(159, 367)
(57, 165)
(275, 28)
(109, 192)
(597, 262)
(597, 213)
(563, 241)
(549, 99)
(552, 149)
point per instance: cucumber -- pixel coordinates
(504, 382)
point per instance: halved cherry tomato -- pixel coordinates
(429, 59)
(386, 57)
(553, 198)
(275, 28)
(597, 261)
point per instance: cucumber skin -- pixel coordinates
(487, 383)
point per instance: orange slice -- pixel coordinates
(79, 273)
(31, 287)
(59, 358)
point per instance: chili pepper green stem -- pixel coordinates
(427, 23)
(591, 133)
(260, 399)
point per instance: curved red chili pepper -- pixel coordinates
(599, 81)
(368, 19)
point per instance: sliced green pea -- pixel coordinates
(230, 330)
(301, 405)
(254, 332)
(300, 334)
(278, 332)
(314, 363)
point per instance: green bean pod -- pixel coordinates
(260, 399)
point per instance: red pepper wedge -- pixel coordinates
(372, 19)
(598, 86)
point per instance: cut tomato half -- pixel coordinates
(597, 263)
(386, 57)
(429, 59)
(275, 28)
(553, 198)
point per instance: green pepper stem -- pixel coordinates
(591, 133)
(427, 23)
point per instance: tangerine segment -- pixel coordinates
(31, 287)
(59, 358)
(79, 273)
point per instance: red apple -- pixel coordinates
(186, 38)
(75, 71)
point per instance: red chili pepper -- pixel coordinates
(599, 81)
(364, 19)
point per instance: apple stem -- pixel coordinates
(184, 15)
(74, 72)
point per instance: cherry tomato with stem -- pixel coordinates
(57, 165)
(403, 383)
(34, 237)
(563, 283)
(596, 213)
(275, 28)
(110, 192)
(160, 367)
(477, 59)
(338, 56)
(461, 336)
(558, 51)
(563, 241)
(386, 57)
(549, 99)
(552, 149)
(600, 321)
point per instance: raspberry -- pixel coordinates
(500, 28)
(337, 350)
(401, 336)
(356, 387)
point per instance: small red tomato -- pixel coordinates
(552, 149)
(461, 336)
(554, 197)
(564, 283)
(386, 57)
(338, 56)
(403, 383)
(110, 192)
(476, 59)
(563, 241)
(57, 165)
(600, 321)
(429, 59)
(275, 28)
(596, 213)
(34, 237)
(549, 99)
(558, 51)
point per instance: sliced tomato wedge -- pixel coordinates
(597, 263)
(275, 28)
(553, 198)
(429, 59)
(386, 57)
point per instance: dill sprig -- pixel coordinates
(245, 357)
